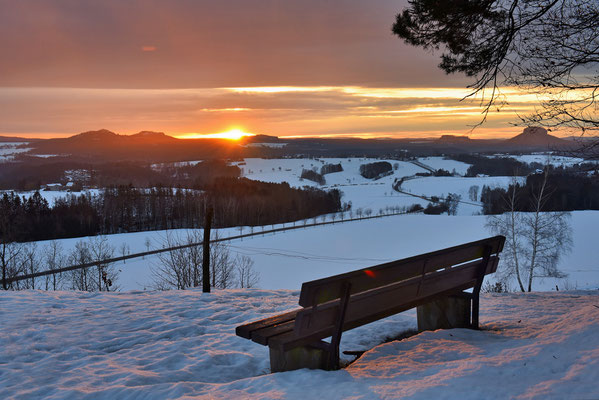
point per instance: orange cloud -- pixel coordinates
(148, 48)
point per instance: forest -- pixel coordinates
(32, 175)
(566, 192)
(125, 208)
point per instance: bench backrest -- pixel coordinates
(389, 288)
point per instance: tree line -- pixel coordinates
(32, 173)
(124, 208)
(565, 192)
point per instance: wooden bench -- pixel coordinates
(433, 282)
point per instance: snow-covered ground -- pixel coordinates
(9, 150)
(143, 344)
(446, 164)
(289, 170)
(182, 344)
(545, 158)
(442, 186)
(286, 259)
(378, 194)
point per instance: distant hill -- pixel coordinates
(260, 139)
(454, 139)
(12, 139)
(537, 137)
(106, 137)
(145, 145)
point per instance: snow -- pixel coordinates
(363, 193)
(442, 186)
(182, 344)
(285, 260)
(267, 170)
(143, 344)
(547, 158)
(446, 164)
(9, 150)
(378, 194)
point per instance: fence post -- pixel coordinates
(206, 251)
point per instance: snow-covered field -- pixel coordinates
(446, 164)
(546, 159)
(9, 150)
(285, 260)
(182, 344)
(442, 186)
(143, 344)
(378, 194)
(267, 170)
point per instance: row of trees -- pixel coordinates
(313, 176)
(31, 173)
(18, 259)
(330, 168)
(127, 209)
(176, 269)
(565, 192)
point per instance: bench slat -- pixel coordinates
(313, 324)
(245, 331)
(264, 335)
(327, 289)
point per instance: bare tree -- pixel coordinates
(147, 243)
(54, 259)
(535, 241)
(91, 279)
(182, 268)
(473, 192)
(106, 273)
(453, 201)
(222, 266)
(179, 268)
(124, 249)
(10, 254)
(81, 279)
(29, 263)
(247, 277)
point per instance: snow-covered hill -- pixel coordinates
(182, 344)
(287, 259)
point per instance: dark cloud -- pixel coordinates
(194, 43)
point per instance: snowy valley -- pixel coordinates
(143, 343)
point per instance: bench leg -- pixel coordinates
(479, 283)
(445, 313)
(298, 357)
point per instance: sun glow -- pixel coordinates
(232, 134)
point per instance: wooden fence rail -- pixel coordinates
(8, 281)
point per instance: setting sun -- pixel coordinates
(232, 134)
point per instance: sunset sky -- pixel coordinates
(187, 67)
